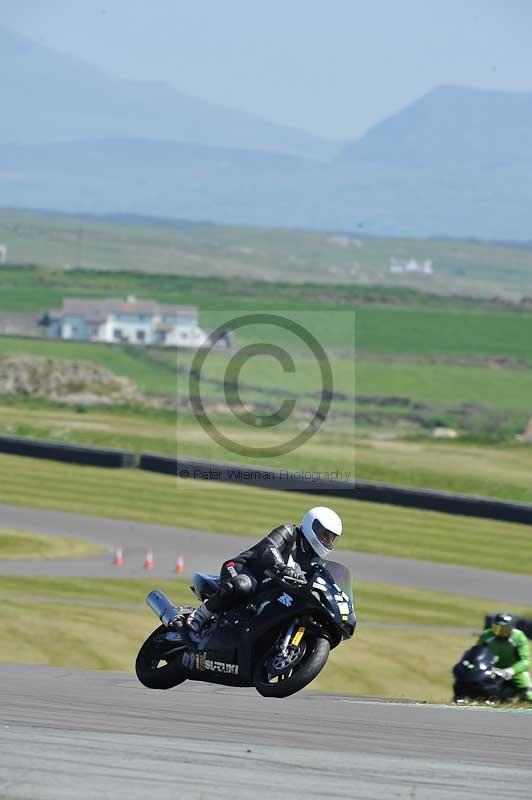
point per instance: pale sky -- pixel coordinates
(333, 68)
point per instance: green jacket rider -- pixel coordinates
(512, 648)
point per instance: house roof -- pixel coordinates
(99, 310)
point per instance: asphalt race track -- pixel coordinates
(68, 734)
(206, 551)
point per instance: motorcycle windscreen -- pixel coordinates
(342, 578)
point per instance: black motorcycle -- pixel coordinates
(278, 642)
(475, 680)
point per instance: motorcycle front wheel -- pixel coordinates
(154, 670)
(297, 675)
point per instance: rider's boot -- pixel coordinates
(526, 695)
(197, 620)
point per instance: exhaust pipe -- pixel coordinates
(162, 607)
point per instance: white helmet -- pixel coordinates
(321, 527)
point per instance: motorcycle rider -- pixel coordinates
(512, 648)
(287, 550)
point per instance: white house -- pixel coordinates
(129, 321)
(410, 265)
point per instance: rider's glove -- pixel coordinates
(506, 674)
(285, 572)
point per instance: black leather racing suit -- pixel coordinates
(240, 576)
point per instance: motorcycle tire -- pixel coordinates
(311, 665)
(149, 673)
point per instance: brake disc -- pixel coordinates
(281, 662)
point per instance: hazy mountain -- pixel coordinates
(458, 162)
(49, 96)
(158, 178)
(451, 126)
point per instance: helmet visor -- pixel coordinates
(502, 631)
(324, 535)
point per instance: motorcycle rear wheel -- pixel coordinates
(316, 655)
(152, 669)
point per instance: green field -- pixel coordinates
(493, 403)
(466, 362)
(447, 385)
(165, 372)
(442, 384)
(100, 624)
(148, 374)
(443, 361)
(387, 321)
(242, 510)
(273, 254)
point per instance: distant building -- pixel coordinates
(129, 321)
(3, 253)
(400, 265)
(396, 265)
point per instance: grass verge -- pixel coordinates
(242, 510)
(21, 544)
(395, 664)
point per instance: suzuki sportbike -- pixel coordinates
(277, 642)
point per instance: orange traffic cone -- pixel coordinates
(148, 564)
(118, 558)
(180, 564)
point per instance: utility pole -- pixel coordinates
(80, 247)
